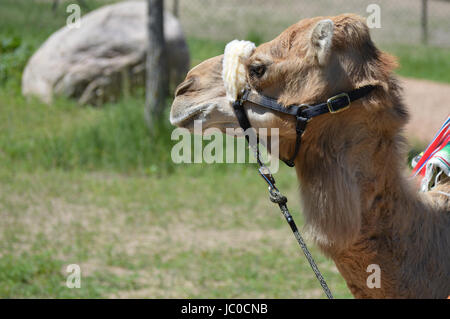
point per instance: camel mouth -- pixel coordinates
(183, 120)
(197, 124)
(207, 115)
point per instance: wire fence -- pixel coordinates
(401, 21)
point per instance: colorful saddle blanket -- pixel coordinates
(434, 164)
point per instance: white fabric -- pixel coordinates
(233, 71)
(435, 169)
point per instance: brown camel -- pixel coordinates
(359, 205)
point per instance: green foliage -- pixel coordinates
(13, 56)
(24, 26)
(9, 44)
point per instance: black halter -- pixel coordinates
(303, 112)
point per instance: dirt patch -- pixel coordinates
(428, 103)
(187, 238)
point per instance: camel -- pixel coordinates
(360, 206)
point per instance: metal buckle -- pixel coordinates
(331, 99)
(265, 173)
(303, 106)
(245, 93)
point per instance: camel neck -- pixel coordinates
(341, 185)
(360, 209)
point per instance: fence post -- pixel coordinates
(156, 72)
(424, 21)
(175, 8)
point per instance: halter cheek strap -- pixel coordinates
(303, 112)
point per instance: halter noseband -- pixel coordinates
(303, 113)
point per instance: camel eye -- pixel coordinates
(257, 70)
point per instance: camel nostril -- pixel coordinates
(184, 86)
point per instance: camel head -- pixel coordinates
(309, 62)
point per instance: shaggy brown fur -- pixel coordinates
(359, 206)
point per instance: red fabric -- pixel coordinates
(440, 140)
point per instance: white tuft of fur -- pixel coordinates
(233, 71)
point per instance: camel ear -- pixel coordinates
(321, 39)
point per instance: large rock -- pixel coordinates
(102, 58)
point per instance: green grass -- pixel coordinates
(202, 49)
(423, 62)
(33, 20)
(131, 238)
(92, 186)
(40, 275)
(65, 135)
